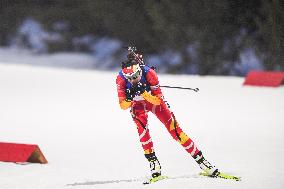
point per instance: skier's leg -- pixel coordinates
(140, 117)
(164, 114)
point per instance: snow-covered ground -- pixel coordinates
(74, 117)
(57, 60)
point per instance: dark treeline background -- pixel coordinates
(221, 29)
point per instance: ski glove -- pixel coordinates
(124, 104)
(151, 98)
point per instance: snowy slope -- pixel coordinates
(75, 119)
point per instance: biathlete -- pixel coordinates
(138, 89)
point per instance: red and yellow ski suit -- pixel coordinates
(152, 100)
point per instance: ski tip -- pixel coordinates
(222, 175)
(227, 176)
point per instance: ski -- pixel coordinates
(144, 180)
(222, 175)
(155, 179)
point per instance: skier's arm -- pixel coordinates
(156, 93)
(121, 85)
(153, 80)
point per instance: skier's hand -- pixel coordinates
(129, 95)
(139, 88)
(124, 104)
(151, 98)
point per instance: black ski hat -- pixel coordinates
(128, 63)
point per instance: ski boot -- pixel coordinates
(154, 164)
(205, 165)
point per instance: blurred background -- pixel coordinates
(220, 37)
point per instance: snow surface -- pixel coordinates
(74, 117)
(57, 60)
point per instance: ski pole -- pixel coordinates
(165, 86)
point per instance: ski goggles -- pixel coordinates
(133, 76)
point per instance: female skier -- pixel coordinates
(138, 89)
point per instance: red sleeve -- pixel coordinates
(153, 80)
(121, 85)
